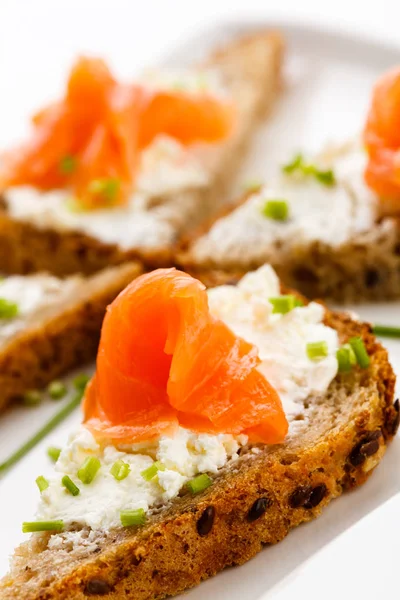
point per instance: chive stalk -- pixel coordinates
(42, 483)
(278, 210)
(8, 309)
(283, 304)
(317, 350)
(35, 526)
(89, 469)
(56, 390)
(386, 331)
(120, 470)
(360, 351)
(80, 382)
(199, 483)
(32, 398)
(53, 453)
(131, 518)
(70, 485)
(149, 473)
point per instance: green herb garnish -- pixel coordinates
(317, 350)
(106, 188)
(149, 473)
(299, 166)
(131, 518)
(68, 164)
(70, 485)
(35, 526)
(199, 483)
(88, 470)
(57, 390)
(120, 470)
(360, 351)
(386, 331)
(32, 398)
(42, 483)
(53, 453)
(283, 304)
(278, 210)
(8, 309)
(80, 382)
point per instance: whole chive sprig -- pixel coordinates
(386, 331)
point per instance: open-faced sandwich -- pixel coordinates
(49, 326)
(114, 171)
(330, 226)
(215, 422)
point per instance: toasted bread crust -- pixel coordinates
(25, 248)
(255, 502)
(66, 339)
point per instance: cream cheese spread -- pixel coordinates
(281, 340)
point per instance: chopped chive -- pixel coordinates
(88, 470)
(298, 303)
(42, 483)
(106, 188)
(68, 164)
(70, 485)
(343, 358)
(54, 453)
(299, 165)
(35, 526)
(57, 390)
(386, 331)
(317, 350)
(282, 304)
(32, 398)
(8, 309)
(360, 351)
(120, 470)
(252, 186)
(80, 382)
(199, 483)
(149, 473)
(62, 414)
(131, 518)
(352, 356)
(278, 210)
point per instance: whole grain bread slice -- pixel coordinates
(334, 445)
(250, 67)
(60, 336)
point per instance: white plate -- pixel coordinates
(353, 546)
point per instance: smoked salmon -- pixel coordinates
(90, 141)
(382, 140)
(164, 360)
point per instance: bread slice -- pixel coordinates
(334, 445)
(361, 265)
(60, 335)
(250, 68)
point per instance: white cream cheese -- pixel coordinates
(166, 168)
(33, 294)
(99, 504)
(281, 340)
(192, 81)
(332, 215)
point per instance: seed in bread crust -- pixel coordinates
(258, 509)
(394, 423)
(367, 446)
(206, 521)
(317, 494)
(300, 496)
(97, 587)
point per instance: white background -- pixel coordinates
(355, 546)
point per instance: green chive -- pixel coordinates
(386, 331)
(360, 351)
(149, 473)
(57, 390)
(299, 165)
(88, 470)
(352, 356)
(120, 470)
(54, 453)
(70, 486)
(343, 358)
(131, 518)
(298, 303)
(317, 350)
(8, 310)
(42, 483)
(32, 398)
(199, 483)
(62, 414)
(80, 382)
(282, 304)
(35, 526)
(68, 164)
(278, 210)
(107, 188)
(252, 186)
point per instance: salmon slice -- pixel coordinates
(90, 141)
(164, 360)
(382, 138)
